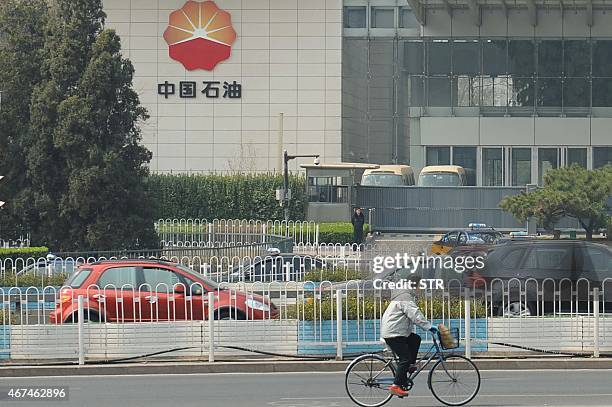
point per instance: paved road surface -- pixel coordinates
(499, 388)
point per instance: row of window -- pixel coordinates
(514, 165)
(380, 17)
(508, 91)
(505, 56)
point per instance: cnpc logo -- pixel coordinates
(200, 35)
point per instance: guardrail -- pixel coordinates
(307, 318)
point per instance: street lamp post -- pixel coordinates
(285, 197)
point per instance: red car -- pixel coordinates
(151, 290)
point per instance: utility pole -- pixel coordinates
(286, 193)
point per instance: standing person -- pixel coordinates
(357, 220)
(396, 329)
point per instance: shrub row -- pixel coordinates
(370, 308)
(339, 274)
(32, 280)
(239, 196)
(12, 253)
(338, 232)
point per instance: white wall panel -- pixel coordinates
(449, 131)
(556, 131)
(506, 131)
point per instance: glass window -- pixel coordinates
(383, 17)
(550, 57)
(512, 259)
(549, 258)
(576, 92)
(439, 57)
(77, 279)
(521, 57)
(494, 57)
(521, 92)
(466, 57)
(521, 166)
(118, 277)
(576, 57)
(492, 167)
(595, 260)
(161, 280)
(438, 155)
(355, 17)
(602, 58)
(494, 91)
(466, 157)
(466, 91)
(407, 18)
(602, 156)
(439, 92)
(576, 156)
(602, 92)
(417, 85)
(413, 57)
(549, 91)
(548, 159)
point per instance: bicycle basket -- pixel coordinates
(449, 337)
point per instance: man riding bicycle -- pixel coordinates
(396, 329)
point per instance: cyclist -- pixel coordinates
(396, 329)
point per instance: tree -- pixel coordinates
(21, 43)
(83, 156)
(569, 191)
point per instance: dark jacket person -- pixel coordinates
(357, 220)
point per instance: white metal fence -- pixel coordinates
(296, 318)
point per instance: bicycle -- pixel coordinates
(375, 373)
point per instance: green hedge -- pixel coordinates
(339, 274)
(33, 280)
(435, 307)
(338, 232)
(13, 253)
(240, 196)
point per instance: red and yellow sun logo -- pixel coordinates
(200, 35)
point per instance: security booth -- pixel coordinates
(331, 190)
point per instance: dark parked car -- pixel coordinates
(276, 267)
(540, 276)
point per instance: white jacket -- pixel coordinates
(400, 316)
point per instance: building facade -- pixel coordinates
(506, 90)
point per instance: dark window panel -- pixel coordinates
(550, 57)
(602, 92)
(466, 157)
(492, 166)
(521, 92)
(439, 92)
(549, 92)
(354, 17)
(438, 156)
(521, 57)
(577, 58)
(576, 156)
(383, 17)
(407, 18)
(416, 90)
(466, 57)
(413, 57)
(521, 166)
(439, 58)
(602, 156)
(576, 92)
(548, 159)
(494, 57)
(602, 58)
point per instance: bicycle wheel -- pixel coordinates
(367, 380)
(454, 381)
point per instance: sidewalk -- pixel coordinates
(269, 366)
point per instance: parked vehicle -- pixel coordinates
(50, 266)
(544, 276)
(151, 290)
(276, 267)
(476, 237)
(388, 175)
(442, 176)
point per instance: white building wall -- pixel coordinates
(287, 56)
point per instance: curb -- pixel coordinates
(276, 366)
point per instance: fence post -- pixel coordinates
(467, 325)
(316, 235)
(338, 324)
(211, 326)
(596, 322)
(81, 327)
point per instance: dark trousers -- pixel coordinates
(358, 234)
(406, 348)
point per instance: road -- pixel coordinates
(499, 388)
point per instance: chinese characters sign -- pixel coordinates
(210, 89)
